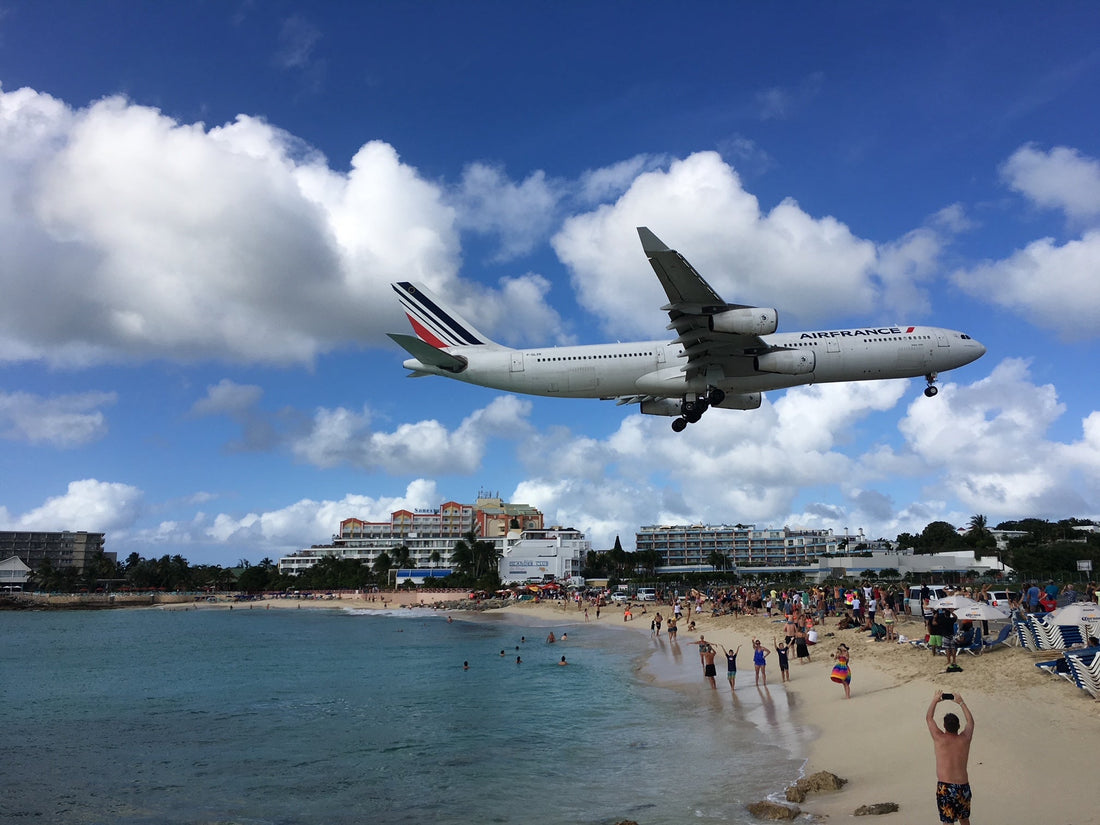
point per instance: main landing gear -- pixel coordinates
(931, 390)
(693, 406)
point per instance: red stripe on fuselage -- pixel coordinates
(425, 334)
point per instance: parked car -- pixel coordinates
(620, 597)
(647, 594)
(913, 602)
(1001, 598)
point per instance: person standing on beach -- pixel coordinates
(731, 665)
(842, 672)
(706, 655)
(801, 649)
(782, 651)
(952, 753)
(759, 661)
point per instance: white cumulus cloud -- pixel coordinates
(1062, 179)
(1049, 285)
(59, 421)
(88, 504)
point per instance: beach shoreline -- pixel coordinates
(1031, 757)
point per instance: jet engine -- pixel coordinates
(786, 362)
(661, 406)
(745, 401)
(745, 321)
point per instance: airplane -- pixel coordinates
(723, 355)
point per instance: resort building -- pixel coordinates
(692, 548)
(61, 550)
(816, 555)
(13, 574)
(557, 553)
(430, 534)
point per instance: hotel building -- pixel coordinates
(688, 548)
(425, 532)
(63, 549)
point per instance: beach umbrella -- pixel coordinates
(1075, 613)
(955, 603)
(980, 611)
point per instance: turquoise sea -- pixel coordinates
(318, 717)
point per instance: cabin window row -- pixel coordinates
(597, 357)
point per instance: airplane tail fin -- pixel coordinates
(435, 323)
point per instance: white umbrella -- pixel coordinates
(955, 603)
(980, 611)
(1075, 613)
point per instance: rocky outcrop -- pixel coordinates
(877, 809)
(773, 811)
(472, 604)
(822, 781)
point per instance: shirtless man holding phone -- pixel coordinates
(952, 753)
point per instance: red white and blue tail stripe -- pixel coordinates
(433, 321)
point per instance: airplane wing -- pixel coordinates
(718, 338)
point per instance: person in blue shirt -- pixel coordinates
(1031, 597)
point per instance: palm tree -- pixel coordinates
(402, 557)
(718, 560)
(475, 557)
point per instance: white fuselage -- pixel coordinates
(655, 368)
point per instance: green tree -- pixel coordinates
(618, 558)
(402, 557)
(718, 560)
(383, 563)
(937, 537)
(476, 559)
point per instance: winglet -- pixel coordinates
(650, 242)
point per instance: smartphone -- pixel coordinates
(947, 696)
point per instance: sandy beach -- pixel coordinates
(1032, 758)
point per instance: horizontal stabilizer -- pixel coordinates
(427, 354)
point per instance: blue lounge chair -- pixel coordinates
(1002, 639)
(1071, 635)
(1083, 676)
(976, 647)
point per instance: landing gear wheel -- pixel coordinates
(931, 390)
(679, 424)
(716, 397)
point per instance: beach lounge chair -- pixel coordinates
(1024, 635)
(976, 647)
(1002, 639)
(1071, 635)
(1046, 637)
(1089, 657)
(1056, 667)
(1083, 676)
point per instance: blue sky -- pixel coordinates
(202, 206)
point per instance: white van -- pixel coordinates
(913, 603)
(647, 594)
